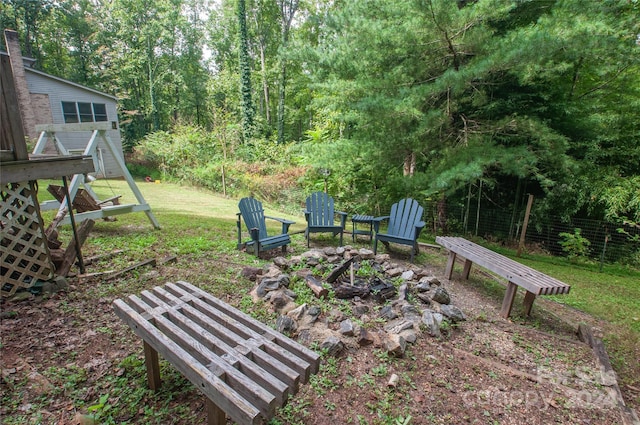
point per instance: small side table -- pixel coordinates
(362, 219)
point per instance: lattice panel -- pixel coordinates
(25, 255)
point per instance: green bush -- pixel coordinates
(574, 244)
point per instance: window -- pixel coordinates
(69, 111)
(100, 111)
(86, 114)
(75, 112)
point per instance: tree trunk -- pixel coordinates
(409, 166)
(245, 74)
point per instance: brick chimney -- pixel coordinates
(20, 82)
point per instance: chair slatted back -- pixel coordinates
(320, 208)
(404, 216)
(253, 215)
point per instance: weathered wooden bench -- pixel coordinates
(517, 274)
(244, 368)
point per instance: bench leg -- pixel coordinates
(215, 415)
(450, 263)
(507, 302)
(153, 367)
(529, 297)
(467, 269)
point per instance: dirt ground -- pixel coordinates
(60, 354)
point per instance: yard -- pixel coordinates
(67, 359)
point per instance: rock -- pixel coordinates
(423, 286)
(60, 283)
(267, 285)
(272, 271)
(387, 313)
(410, 312)
(308, 319)
(424, 297)
(453, 313)
(304, 337)
(279, 300)
(395, 272)
(299, 312)
(285, 324)
(250, 273)
(346, 327)
(365, 337)
(402, 291)
(281, 262)
(408, 275)
(340, 250)
(333, 345)
(409, 335)
(360, 308)
(396, 328)
(334, 259)
(366, 254)
(283, 280)
(395, 345)
(441, 296)
(329, 251)
(432, 322)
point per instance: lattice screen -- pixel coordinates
(25, 255)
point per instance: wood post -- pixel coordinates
(153, 367)
(450, 263)
(529, 297)
(467, 269)
(215, 415)
(524, 225)
(507, 302)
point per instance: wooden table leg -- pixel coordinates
(450, 263)
(529, 297)
(153, 367)
(215, 415)
(467, 269)
(507, 302)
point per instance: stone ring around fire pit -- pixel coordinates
(405, 299)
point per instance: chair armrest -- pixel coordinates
(343, 218)
(285, 223)
(419, 226)
(377, 221)
(239, 226)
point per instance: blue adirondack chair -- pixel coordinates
(320, 216)
(405, 225)
(253, 214)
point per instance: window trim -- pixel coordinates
(85, 113)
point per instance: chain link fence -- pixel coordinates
(607, 242)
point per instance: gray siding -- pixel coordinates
(60, 91)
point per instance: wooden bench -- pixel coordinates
(533, 281)
(244, 368)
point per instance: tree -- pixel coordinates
(248, 110)
(288, 10)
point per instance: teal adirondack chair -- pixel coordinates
(405, 225)
(253, 214)
(321, 216)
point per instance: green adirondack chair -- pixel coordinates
(321, 215)
(405, 225)
(252, 213)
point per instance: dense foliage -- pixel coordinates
(449, 101)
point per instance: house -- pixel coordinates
(47, 99)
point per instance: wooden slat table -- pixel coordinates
(243, 367)
(517, 274)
